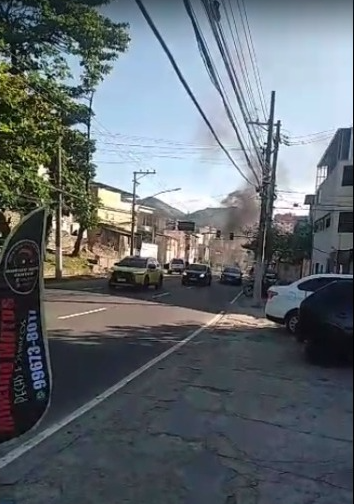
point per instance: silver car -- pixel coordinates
(176, 266)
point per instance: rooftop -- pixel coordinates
(100, 185)
(338, 150)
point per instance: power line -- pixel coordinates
(216, 80)
(239, 53)
(253, 55)
(220, 39)
(186, 86)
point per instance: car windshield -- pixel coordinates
(133, 262)
(231, 270)
(197, 267)
(177, 261)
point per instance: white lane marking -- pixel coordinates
(163, 294)
(80, 314)
(236, 298)
(39, 438)
(190, 287)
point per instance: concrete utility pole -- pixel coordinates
(137, 175)
(273, 180)
(59, 216)
(265, 193)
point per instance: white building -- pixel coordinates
(332, 208)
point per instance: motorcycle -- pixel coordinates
(268, 281)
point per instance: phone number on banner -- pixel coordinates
(34, 353)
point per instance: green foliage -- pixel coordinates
(24, 147)
(41, 101)
(39, 34)
(286, 247)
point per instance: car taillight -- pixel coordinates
(271, 294)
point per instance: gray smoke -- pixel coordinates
(241, 203)
(243, 209)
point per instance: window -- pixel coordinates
(198, 267)
(133, 262)
(345, 224)
(336, 296)
(315, 283)
(323, 223)
(347, 180)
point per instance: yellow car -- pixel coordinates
(137, 272)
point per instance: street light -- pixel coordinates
(141, 202)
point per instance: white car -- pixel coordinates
(284, 301)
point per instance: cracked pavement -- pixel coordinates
(235, 417)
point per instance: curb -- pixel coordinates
(83, 278)
(66, 279)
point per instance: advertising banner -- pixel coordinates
(25, 375)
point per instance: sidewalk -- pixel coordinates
(234, 417)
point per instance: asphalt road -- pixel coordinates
(96, 338)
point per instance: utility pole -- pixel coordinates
(273, 179)
(137, 175)
(59, 216)
(265, 193)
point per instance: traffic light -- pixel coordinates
(232, 236)
(218, 233)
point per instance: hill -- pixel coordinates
(215, 217)
(222, 218)
(164, 209)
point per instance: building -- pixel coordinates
(332, 207)
(114, 215)
(286, 223)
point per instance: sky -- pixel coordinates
(146, 120)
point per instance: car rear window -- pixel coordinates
(197, 267)
(133, 262)
(232, 270)
(314, 284)
(177, 261)
(336, 295)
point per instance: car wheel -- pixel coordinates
(146, 283)
(159, 285)
(292, 321)
(169, 272)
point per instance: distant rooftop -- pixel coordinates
(100, 185)
(339, 149)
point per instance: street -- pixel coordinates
(236, 415)
(97, 338)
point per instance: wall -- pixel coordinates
(171, 244)
(289, 272)
(112, 209)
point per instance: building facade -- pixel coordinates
(332, 207)
(286, 223)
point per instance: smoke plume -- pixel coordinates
(241, 203)
(243, 209)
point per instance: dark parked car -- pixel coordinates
(197, 274)
(326, 322)
(231, 275)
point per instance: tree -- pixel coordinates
(40, 34)
(77, 172)
(286, 247)
(36, 39)
(24, 147)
